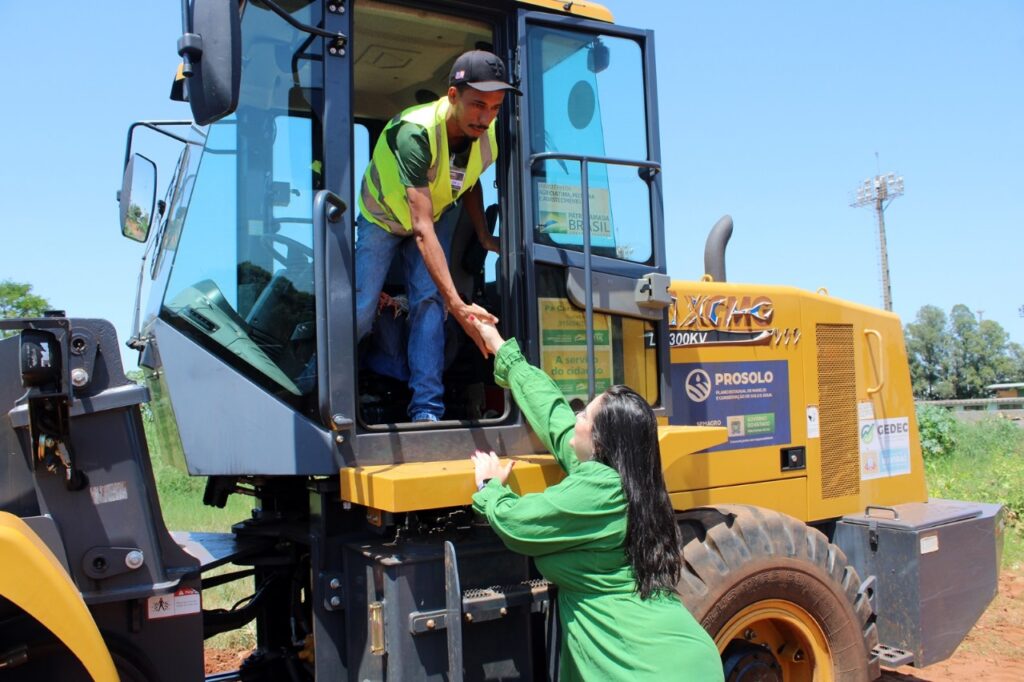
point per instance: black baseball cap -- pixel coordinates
(481, 70)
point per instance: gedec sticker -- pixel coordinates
(884, 447)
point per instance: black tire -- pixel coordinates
(742, 561)
(50, 659)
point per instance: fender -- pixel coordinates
(33, 579)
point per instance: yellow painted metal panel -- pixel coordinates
(774, 336)
(879, 359)
(789, 333)
(640, 363)
(590, 10)
(33, 579)
(433, 485)
(676, 442)
(723, 468)
(788, 496)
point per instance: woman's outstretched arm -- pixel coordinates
(537, 395)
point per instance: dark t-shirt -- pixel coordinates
(410, 144)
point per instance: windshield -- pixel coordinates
(241, 283)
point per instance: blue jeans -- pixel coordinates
(375, 249)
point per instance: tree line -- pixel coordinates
(956, 356)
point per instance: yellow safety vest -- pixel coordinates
(382, 199)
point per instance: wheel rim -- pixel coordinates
(788, 632)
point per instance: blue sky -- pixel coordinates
(772, 112)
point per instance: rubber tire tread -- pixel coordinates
(739, 563)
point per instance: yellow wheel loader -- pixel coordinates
(788, 435)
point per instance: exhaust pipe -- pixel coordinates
(714, 248)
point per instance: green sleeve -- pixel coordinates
(541, 402)
(411, 146)
(566, 515)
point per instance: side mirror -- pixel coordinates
(212, 55)
(137, 197)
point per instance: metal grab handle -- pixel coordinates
(453, 612)
(881, 360)
(647, 170)
(328, 210)
(877, 507)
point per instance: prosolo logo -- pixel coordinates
(750, 399)
(698, 385)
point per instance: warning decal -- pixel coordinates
(183, 602)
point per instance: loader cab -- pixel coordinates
(402, 57)
(577, 84)
(253, 268)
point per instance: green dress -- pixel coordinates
(576, 531)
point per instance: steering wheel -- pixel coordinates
(296, 254)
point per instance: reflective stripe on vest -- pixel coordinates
(382, 197)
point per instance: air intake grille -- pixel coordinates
(837, 398)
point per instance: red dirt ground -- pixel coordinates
(993, 652)
(222, 661)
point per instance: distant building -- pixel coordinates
(1007, 390)
(1006, 402)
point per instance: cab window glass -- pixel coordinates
(587, 98)
(241, 282)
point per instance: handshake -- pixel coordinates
(489, 340)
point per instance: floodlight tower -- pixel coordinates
(879, 192)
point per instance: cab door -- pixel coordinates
(595, 281)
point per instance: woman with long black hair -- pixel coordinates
(605, 535)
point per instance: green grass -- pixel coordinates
(982, 462)
(181, 498)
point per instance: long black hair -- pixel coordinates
(625, 435)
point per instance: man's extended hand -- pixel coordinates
(466, 314)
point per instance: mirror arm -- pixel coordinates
(187, 47)
(340, 39)
(156, 127)
(190, 48)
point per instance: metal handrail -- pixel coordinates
(588, 311)
(609, 160)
